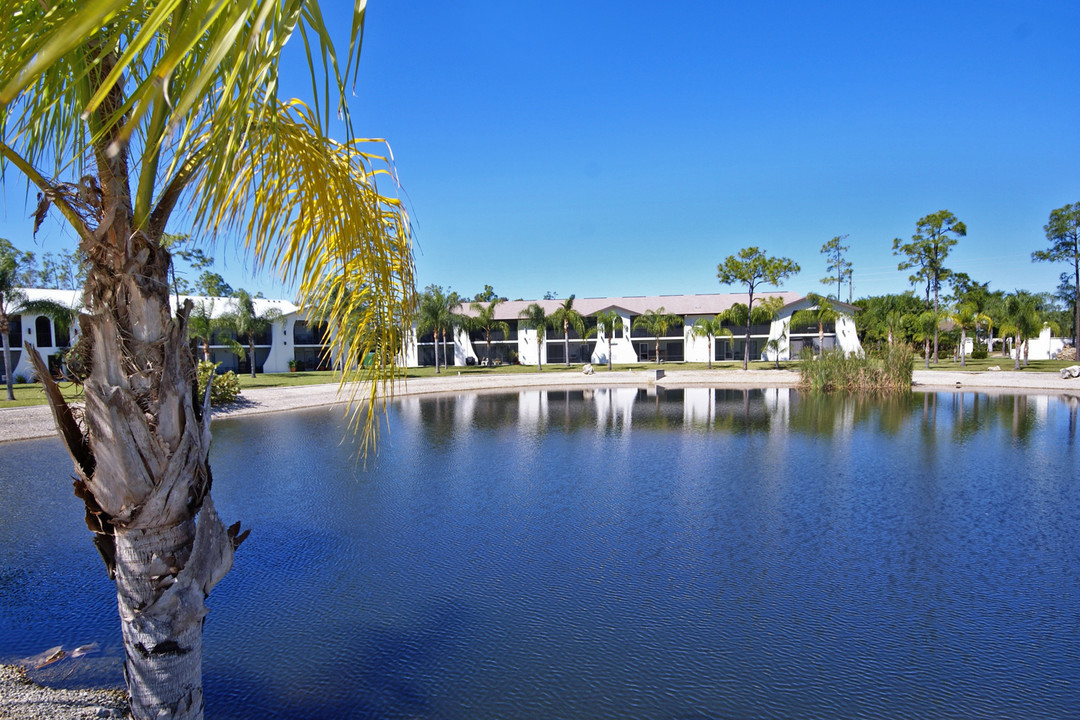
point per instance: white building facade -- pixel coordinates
(295, 341)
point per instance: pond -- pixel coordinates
(622, 553)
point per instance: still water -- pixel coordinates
(667, 555)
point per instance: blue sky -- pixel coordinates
(625, 148)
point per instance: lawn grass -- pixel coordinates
(1004, 363)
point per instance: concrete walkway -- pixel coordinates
(36, 421)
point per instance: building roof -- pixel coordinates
(73, 299)
(710, 304)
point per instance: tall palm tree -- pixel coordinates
(454, 320)
(738, 316)
(202, 325)
(966, 317)
(197, 85)
(609, 322)
(656, 323)
(485, 321)
(566, 316)
(925, 327)
(710, 328)
(535, 318)
(821, 312)
(1023, 321)
(436, 314)
(247, 323)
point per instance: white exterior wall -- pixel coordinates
(1044, 347)
(281, 347)
(527, 350)
(622, 348)
(695, 349)
(846, 337)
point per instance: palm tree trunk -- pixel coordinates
(8, 370)
(489, 347)
(206, 350)
(821, 338)
(963, 348)
(140, 456)
(1016, 365)
(251, 353)
(609, 354)
(539, 348)
(566, 341)
(1027, 341)
(710, 351)
(926, 351)
(435, 337)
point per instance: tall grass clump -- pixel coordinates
(837, 370)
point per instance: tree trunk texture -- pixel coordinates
(140, 453)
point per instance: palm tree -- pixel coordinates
(202, 325)
(566, 316)
(710, 328)
(609, 322)
(197, 86)
(247, 323)
(968, 319)
(738, 316)
(534, 318)
(436, 314)
(485, 321)
(925, 327)
(1022, 321)
(454, 320)
(821, 313)
(656, 323)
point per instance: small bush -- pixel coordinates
(19, 379)
(979, 353)
(224, 388)
(837, 370)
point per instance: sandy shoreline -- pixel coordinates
(27, 423)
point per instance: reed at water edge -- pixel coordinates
(836, 370)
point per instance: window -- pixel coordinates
(43, 332)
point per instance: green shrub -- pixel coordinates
(224, 388)
(979, 353)
(837, 370)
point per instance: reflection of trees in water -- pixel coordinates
(827, 414)
(962, 415)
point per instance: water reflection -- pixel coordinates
(613, 553)
(750, 410)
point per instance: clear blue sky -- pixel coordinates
(625, 148)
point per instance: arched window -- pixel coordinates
(43, 332)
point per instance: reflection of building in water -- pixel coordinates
(532, 408)
(614, 406)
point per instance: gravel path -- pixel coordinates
(21, 699)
